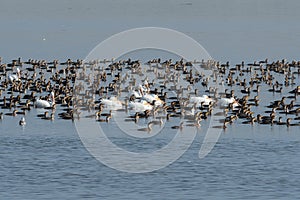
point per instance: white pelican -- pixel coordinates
(112, 103)
(140, 106)
(45, 103)
(15, 77)
(136, 94)
(153, 97)
(143, 89)
(227, 101)
(199, 100)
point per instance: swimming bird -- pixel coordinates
(251, 121)
(140, 106)
(202, 99)
(223, 126)
(22, 122)
(196, 123)
(111, 103)
(148, 129)
(14, 113)
(49, 118)
(178, 127)
(266, 119)
(159, 122)
(15, 77)
(224, 102)
(45, 114)
(150, 98)
(40, 103)
(288, 123)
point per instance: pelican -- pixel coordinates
(152, 97)
(15, 77)
(136, 94)
(198, 100)
(140, 106)
(40, 103)
(226, 101)
(112, 103)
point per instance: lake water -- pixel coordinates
(47, 160)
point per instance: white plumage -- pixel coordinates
(226, 101)
(13, 77)
(198, 100)
(140, 106)
(152, 97)
(112, 103)
(22, 122)
(42, 103)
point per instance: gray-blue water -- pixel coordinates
(46, 160)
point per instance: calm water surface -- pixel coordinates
(46, 160)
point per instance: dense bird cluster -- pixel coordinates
(156, 91)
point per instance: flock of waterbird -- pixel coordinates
(156, 91)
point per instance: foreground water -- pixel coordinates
(46, 160)
(51, 164)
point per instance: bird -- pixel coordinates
(15, 77)
(150, 98)
(45, 114)
(198, 100)
(148, 128)
(140, 106)
(40, 103)
(195, 124)
(159, 122)
(22, 122)
(111, 103)
(178, 127)
(51, 117)
(288, 123)
(251, 121)
(224, 102)
(223, 126)
(14, 113)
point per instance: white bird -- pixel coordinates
(153, 97)
(198, 100)
(136, 94)
(140, 106)
(112, 103)
(227, 101)
(15, 77)
(45, 103)
(189, 112)
(143, 89)
(22, 122)
(42, 103)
